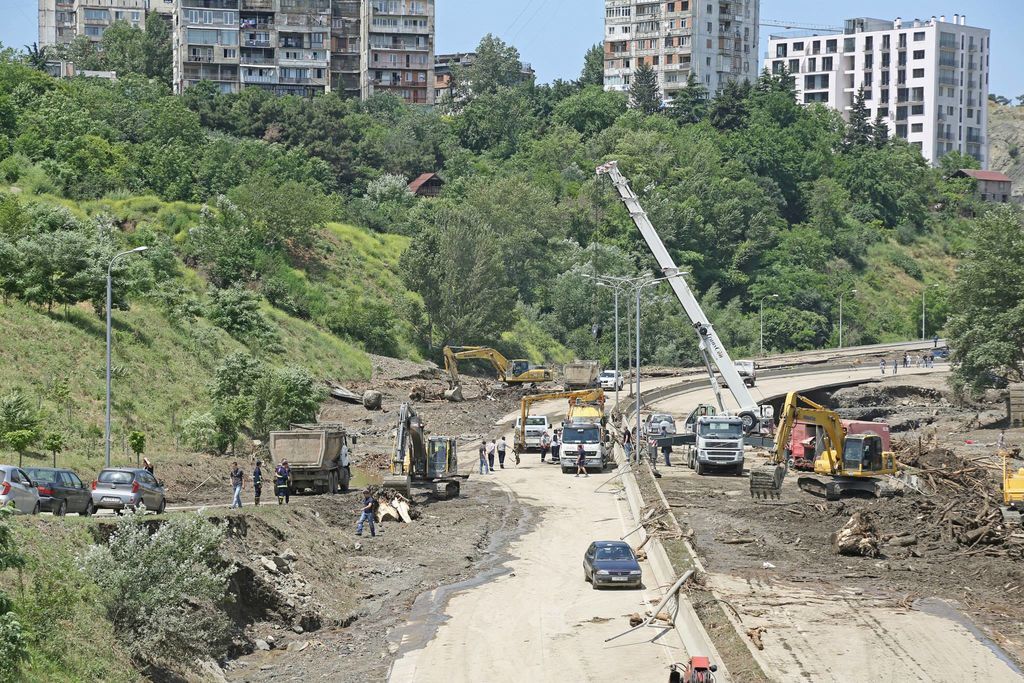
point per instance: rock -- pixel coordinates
(372, 400)
(903, 541)
(297, 628)
(208, 670)
(289, 555)
(281, 565)
(269, 565)
(454, 395)
(298, 645)
(357, 546)
(857, 537)
(262, 645)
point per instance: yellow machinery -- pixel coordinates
(422, 461)
(849, 462)
(1013, 492)
(576, 398)
(509, 371)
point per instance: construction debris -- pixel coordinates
(857, 537)
(755, 636)
(392, 505)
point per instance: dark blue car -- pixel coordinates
(611, 563)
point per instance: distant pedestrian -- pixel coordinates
(491, 452)
(1001, 441)
(484, 469)
(935, 342)
(556, 446)
(345, 462)
(282, 482)
(895, 366)
(236, 485)
(147, 465)
(881, 364)
(627, 445)
(906, 359)
(931, 360)
(581, 461)
(502, 447)
(257, 482)
(545, 445)
(366, 514)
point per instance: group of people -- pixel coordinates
(926, 360)
(488, 451)
(282, 483)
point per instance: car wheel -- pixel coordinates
(62, 509)
(90, 509)
(35, 510)
(163, 506)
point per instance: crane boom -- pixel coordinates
(707, 337)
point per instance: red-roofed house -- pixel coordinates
(993, 186)
(427, 185)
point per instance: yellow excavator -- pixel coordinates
(509, 371)
(576, 398)
(849, 462)
(1013, 492)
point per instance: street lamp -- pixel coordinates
(618, 284)
(770, 296)
(615, 290)
(110, 266)
(851, 293)
(924, 291)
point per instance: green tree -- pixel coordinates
(55, 443)
(137, 442)
(644, 93)
(19, 440)
(13, 638)
(224, 243)
(689, 104)
(593, 66)
(954, 162)
(157, 58)
(17, 415)
(880, 131)
(986, 328)
(497, 65)
(281, 213)
(591, 110)
(858, 132)
(122, 48)
(498, 121)
(728, 110)
(284, 396)
(236, 310)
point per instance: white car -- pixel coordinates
(18, 490)
(611, 379)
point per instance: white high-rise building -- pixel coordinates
(716, 40)
(927, 78)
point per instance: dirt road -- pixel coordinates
(825, 618)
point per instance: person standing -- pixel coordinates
(236, 485)
(935, 342)
(545, 445)
(895, 365)
(627, 445)
(282, 482)
(502, 447)
(491, 450)
(483, 457)
(881, 365)
(257, 482)
(148, 466)
(1001, 441)
(345, 462)
(366, 515)
(556, 447)
(666, 446)
(581, 461)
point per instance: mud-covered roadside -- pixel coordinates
(315, 601)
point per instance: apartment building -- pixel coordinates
(443, 84)
(716, 40)
(928, 79)
(61, 20)
(398, 49)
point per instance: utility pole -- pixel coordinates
(771, 296)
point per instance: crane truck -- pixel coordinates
(584, 424)
(752, 417)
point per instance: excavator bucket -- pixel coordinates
(400, 483)
(766, 481)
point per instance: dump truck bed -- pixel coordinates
(306, 449)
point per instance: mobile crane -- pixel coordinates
(754, 418)
(508, 371)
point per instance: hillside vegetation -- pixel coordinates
(1006, 142)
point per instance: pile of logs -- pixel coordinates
(392, 506)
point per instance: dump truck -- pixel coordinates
(313, 452)
(581, 374)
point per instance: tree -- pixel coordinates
(122, 48)
(496, 65)
(644, 93)
(13, 638)
(281, 213)
(157, 58)
(729, 108)
(497, 121)
(284, 396)
(137, 442)
(55, 443)
(20, 440)
(35, 57)
(953, 162)
(986, 328)
(236, 310)
(593, 66)
(858, 132)
(591, 110)
(880, 131)
(16, 415)
(224, 243)
(690, 104)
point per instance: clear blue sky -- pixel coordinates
(554, 34)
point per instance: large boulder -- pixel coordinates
(372, 400)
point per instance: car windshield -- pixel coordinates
(720, 430)
(614, 552)
(115, 477)
(581, 435)
(662, 418)
(42, 475)
(608, 373)
(536, 422)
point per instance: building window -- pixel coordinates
(918, 54)
(917, 110)
(917, 128)
(918, 36)
(798, 47)
(794, 66)
(826, 63)
(831, 46)
(918, 73)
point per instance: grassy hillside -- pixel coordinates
(1006, 137)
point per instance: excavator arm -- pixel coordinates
(582, 396)
(453, 354)
(801, 409)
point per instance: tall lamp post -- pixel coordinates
(924, 292)
(770, 296)
(615, 290)
(851, 293)
(110, 266)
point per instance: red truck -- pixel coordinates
(802, 441)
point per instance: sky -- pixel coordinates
(553, 35)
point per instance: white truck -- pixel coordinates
(536, 425)
(719, 445)
(747, 370)
(583, 425)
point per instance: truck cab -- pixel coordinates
(536, 425)
(584, 425)
(719, 445)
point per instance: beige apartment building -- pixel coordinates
(61, 20)
(716, 40)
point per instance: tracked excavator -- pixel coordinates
(1013, 492)
(422, 461)
(849, 462)
(516, 372)
(576, 398)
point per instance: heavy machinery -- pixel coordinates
(581, 374)
(313, 452)
(595, 396)
(848, 462)
(509, 371)
(697, 670)
(1013, 492)
(423, 461)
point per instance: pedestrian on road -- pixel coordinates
(502, 447)
(930, 360)
(282, 482)
(366, 514)
(345, 461)
(236, 485)
(881, 364)
(581, 461)
(895, 366)
(556, 446)
(627, 445)
(1001, 441)
(148, 466)
(257, 482)
(483, 458)
(906, 359)
(491, 450)
(935, 342)
(545, 444)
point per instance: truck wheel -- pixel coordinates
(739, 469)
(700, 468)
(346, 477)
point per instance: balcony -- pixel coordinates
(975, 139)
(257, 60)
(263, 79)
(209, 4)
(264, 5)
(252, 24)
(261, 42)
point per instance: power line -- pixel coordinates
(529, 21)
(519, 16)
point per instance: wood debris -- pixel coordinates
(857, 537)
(755, 636)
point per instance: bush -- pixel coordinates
(164, 591)
(283, 396)
(907, 264)
(366, 321)
(237, 312)
(13, 646)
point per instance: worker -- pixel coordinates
(895, 366)
(483, 457)
(545, 445)
(345, 462)
(1001, 441)
(935, 342)
(666, 446)
(257, 482)
(491, 451)
(906, 359)
(282, 482)
(881, 364)
(581, 461)
(236, 485)
(556, 446)
(366, 514)
(502, 447)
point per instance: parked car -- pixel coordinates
(612, 380)
(611, 563)
(536, 425)
(123, 487)
(656, 421)
(61, 491)
(17, 490)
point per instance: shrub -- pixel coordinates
(907, 264)
(283, 396)
(163, 591)
(237, 312)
